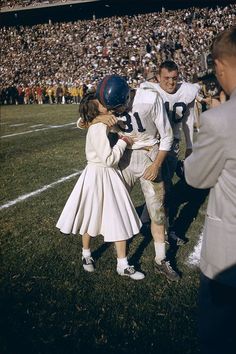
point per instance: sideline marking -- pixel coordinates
(38, 191)
(17, 125)
(37, 130)
(194, 257)
(36, 125)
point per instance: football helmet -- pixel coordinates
(113, 91)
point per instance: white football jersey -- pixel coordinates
(179, 107)
(148, 122)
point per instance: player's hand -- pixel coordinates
(214, 103)
(133, 136)
(222, 97)
(208, 100)
(127, 139)
(109, 119)
(151, 173)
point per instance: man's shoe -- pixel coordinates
(130, 272)
(166, 269)
(179, 241)
(88, 264)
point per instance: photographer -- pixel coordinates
(213, 165)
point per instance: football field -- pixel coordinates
(48, 304)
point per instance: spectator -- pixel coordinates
(130, 46)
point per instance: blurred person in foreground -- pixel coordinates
(212, 164)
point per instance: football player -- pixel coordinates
(179, 98)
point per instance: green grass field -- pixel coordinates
(48, 305)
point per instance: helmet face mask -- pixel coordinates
(113, 92)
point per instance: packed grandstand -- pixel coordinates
(58, 61)
(7, 5)
(24, 3)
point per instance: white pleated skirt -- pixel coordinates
(100, 204)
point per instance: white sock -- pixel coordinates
(160, 251)
(122, 263)
(86, 252)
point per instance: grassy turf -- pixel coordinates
(47, 303)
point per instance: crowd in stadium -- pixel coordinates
(27, 3)
(57, 62)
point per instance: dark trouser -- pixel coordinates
(192, 198)
(217, 317)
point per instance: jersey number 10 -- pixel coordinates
(172, 114)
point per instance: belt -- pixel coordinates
(146, 148)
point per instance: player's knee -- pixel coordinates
(158, 216)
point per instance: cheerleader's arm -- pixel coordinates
(107, 155)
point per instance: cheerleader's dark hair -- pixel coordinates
(88, 108)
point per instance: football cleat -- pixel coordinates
(166, 269)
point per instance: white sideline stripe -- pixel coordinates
(194, 257)
(37, 130)
(38, 191)
(17, 125)
(36, 125)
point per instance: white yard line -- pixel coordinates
(36, 125)
(17, 125)
(38, 191)
(194, 257)
(37, 130)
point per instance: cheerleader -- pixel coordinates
(100, 204)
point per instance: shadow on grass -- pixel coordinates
(100, 250)
(171, 255)
(147, 237)
(135, 258)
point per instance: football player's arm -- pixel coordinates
(164, 128)
(187, 125)
(166, 140)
